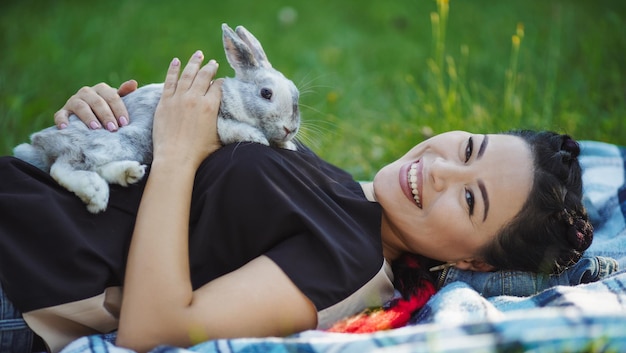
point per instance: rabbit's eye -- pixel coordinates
(266, 93)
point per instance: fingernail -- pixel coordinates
(111, 126)
(94, 125)
(62, 126)
(175, 62)
(123, 121)
(198, 54)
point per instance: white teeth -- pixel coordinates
(413, 184)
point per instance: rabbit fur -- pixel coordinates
(258, 105)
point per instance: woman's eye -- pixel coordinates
(266, 93)
(469, 198)
(469, 149)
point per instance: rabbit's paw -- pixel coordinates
(123, 173)
(289, 145)
(88, 186)
(94, 192)
(258, 139)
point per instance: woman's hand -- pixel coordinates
(185, 121)
(97, 106)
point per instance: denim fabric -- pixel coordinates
(518, 283)
(604, 194)
(15, 335)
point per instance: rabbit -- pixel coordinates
(258, 105)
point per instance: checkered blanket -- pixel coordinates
(585, 317)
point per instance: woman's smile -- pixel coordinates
(411, 181)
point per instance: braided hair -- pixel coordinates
(552, 230)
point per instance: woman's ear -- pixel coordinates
(474, 265)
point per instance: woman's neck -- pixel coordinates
(391, 246)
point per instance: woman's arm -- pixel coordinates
(159, 305)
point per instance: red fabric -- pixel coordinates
(397, 315)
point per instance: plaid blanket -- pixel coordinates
(585, 317)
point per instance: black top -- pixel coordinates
(311, 218)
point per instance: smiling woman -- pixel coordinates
(529, 191)
(437, 195)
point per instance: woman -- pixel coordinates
(279, 237)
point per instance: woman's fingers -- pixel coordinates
(189, 73)
(171, 79)
(118, 106)
(127, 87)
(173, 83)
(108, 106)
(84, 104)
(97, 106)
(203, 80)
(215, 91)
(61, 118)
(99, 99)
(195, 77)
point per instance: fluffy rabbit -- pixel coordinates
(258, 105)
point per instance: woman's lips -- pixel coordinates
(411, 181)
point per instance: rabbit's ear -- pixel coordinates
(238, 54)
(254, 45)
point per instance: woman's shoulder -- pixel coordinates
(237, 153)
(245, 158)
(259, 152)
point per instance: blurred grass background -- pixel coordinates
(377, 77)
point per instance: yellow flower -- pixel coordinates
(516, 40)
(520, 30)
(332, 97)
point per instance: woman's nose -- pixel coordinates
(443, 172)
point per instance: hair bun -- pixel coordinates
(579, 230)
(580, 234)
(571, 146)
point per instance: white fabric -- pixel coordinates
(61, 324)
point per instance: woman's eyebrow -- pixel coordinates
(483, 193)
(483, 145)
(481, 184)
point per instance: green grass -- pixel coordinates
(377, 77)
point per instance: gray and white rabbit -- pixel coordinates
(258, 105)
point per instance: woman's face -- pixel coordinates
(448, 196)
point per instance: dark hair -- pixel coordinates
(552, 230)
